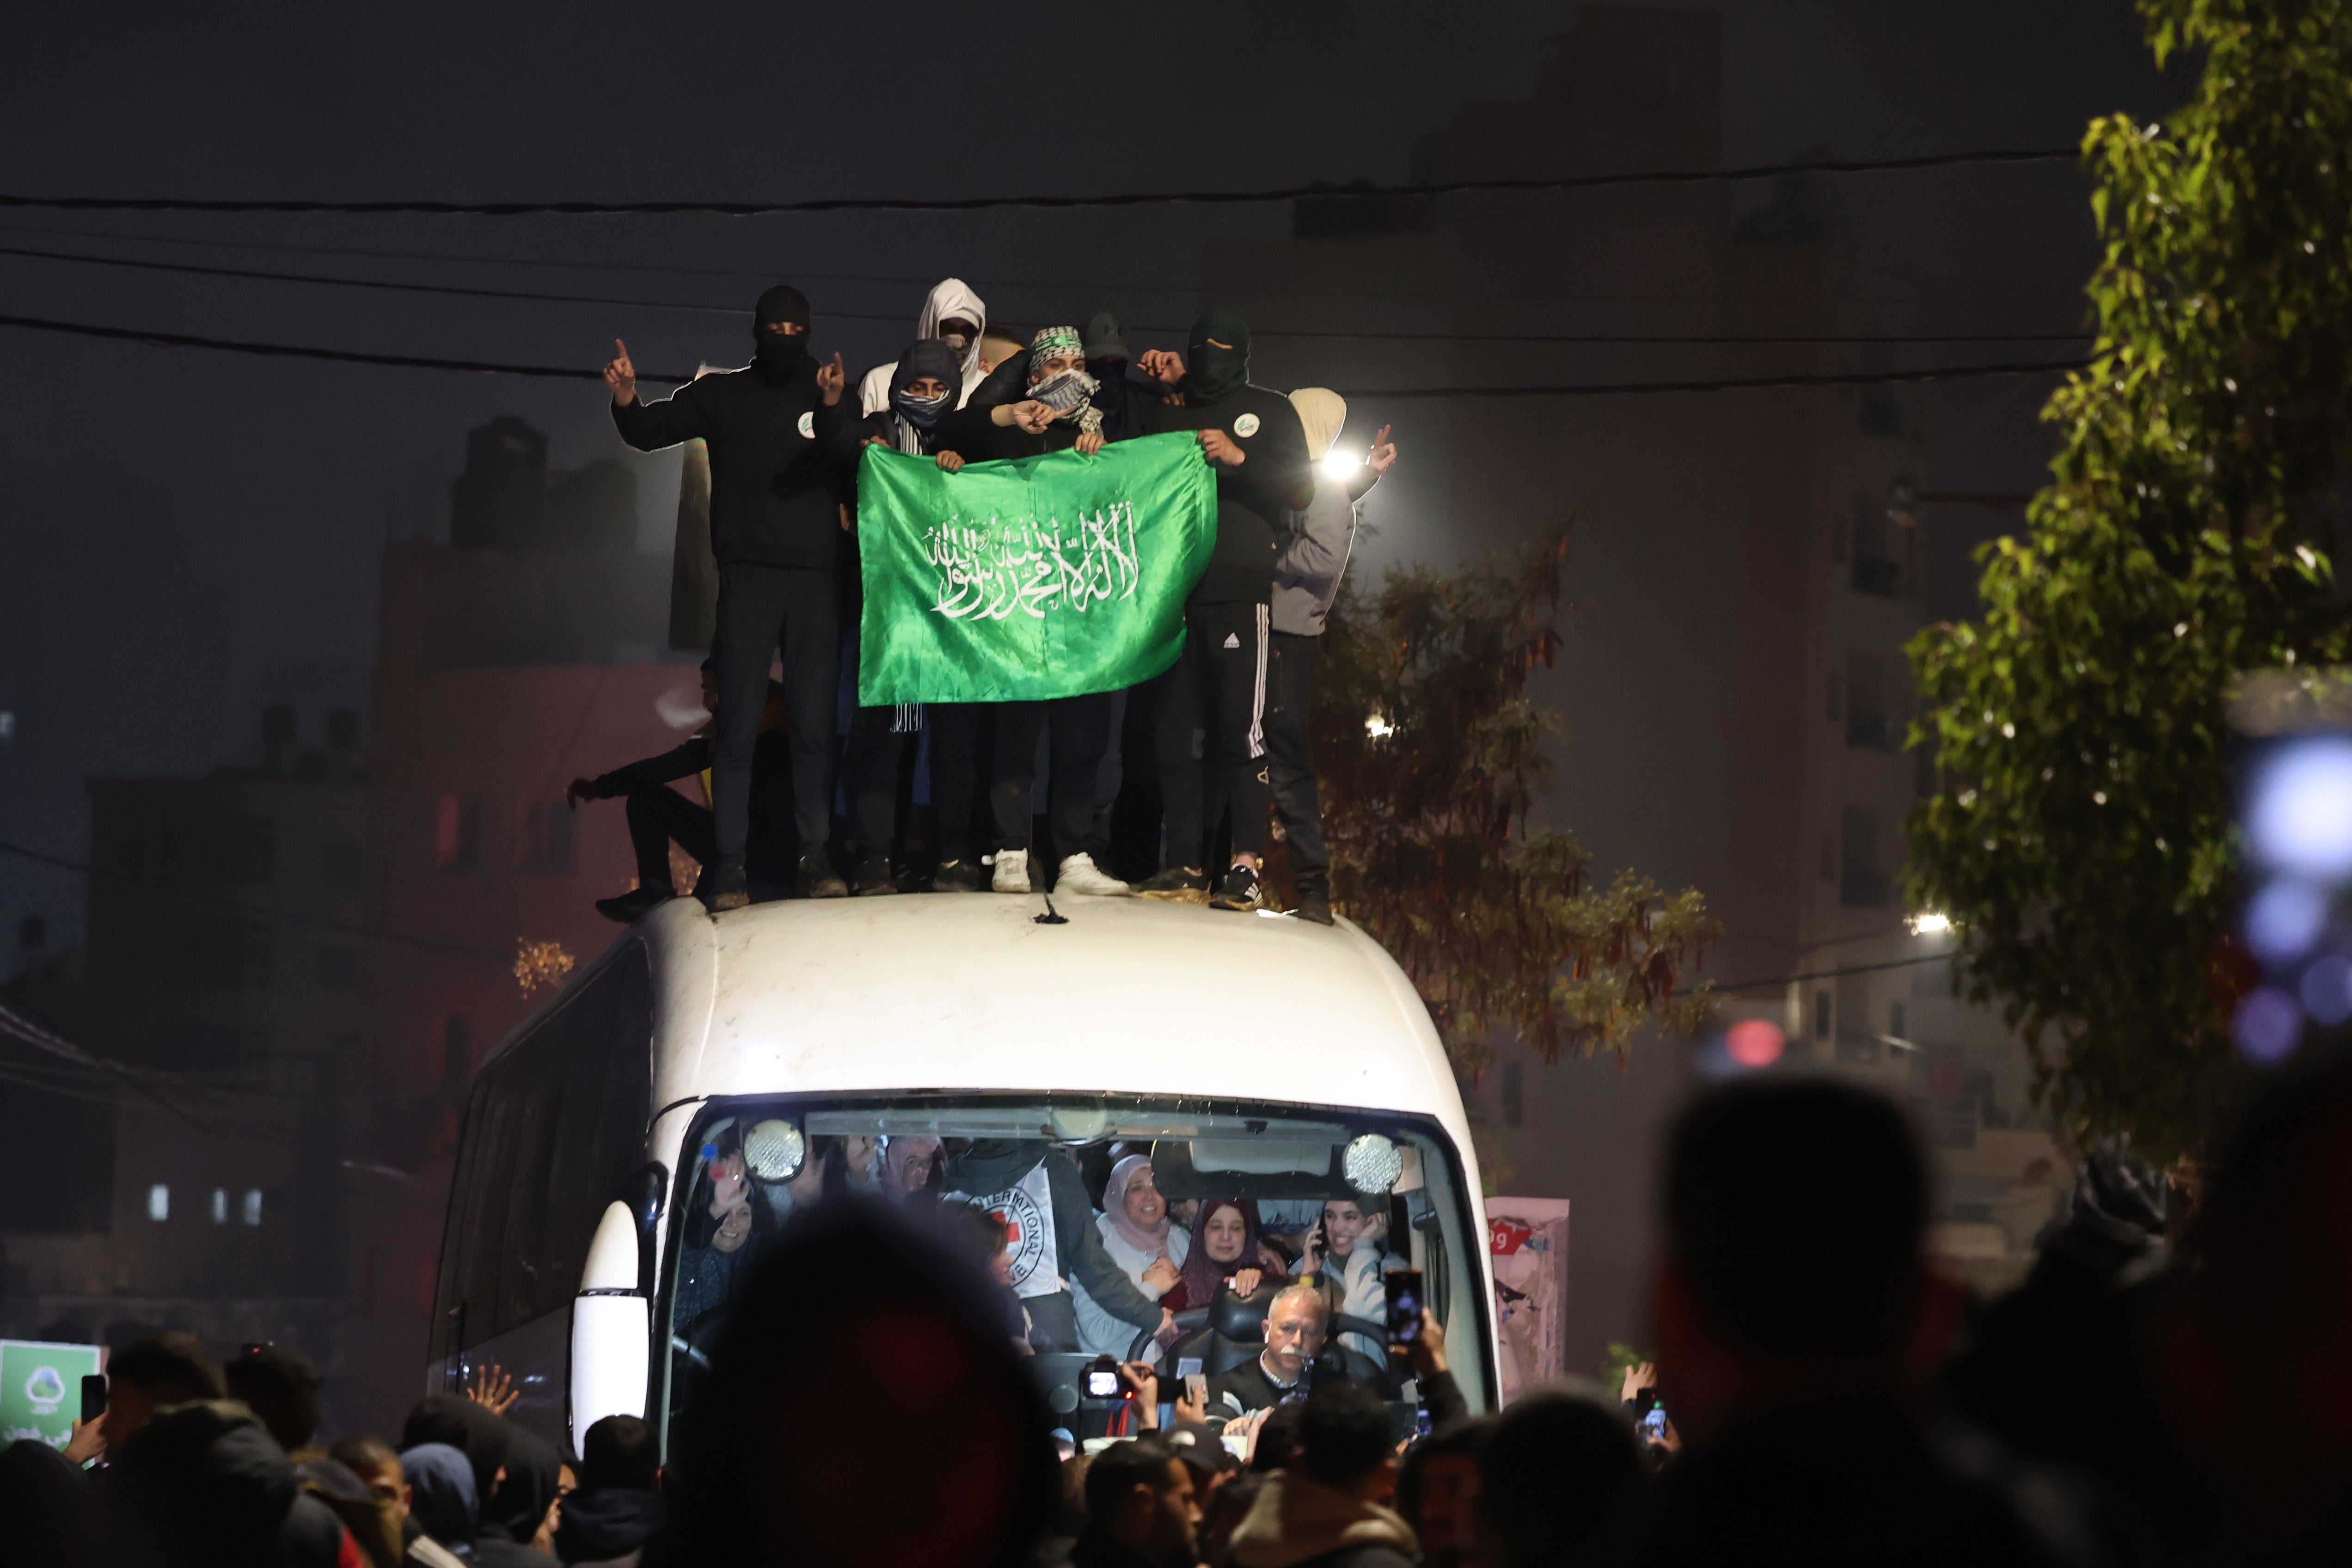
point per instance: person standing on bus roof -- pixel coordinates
(780, 439)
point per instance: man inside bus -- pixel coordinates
(658, 815)
(1296, 1325)
(1036, 1186)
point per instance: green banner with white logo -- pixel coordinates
(1010, 582)
(40, 1389)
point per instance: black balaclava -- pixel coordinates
(1104, 343)
(780, 353)
(1213, 373)
(931, 357)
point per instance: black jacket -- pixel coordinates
(781, 460)
(203, 1486)
(1126, 398)
(1276, 473)
(601, 1523)
(971, 435)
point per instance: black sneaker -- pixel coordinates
(872, 877)
(957, 876)
(1313, 900)
(1239, 891)
(818, 879)
(633, 903)
(1177, 884)
(724, 886)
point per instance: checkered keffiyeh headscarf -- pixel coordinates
(1052, 340)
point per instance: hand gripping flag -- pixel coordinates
(1011, 582)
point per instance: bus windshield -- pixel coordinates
(1165, 1230)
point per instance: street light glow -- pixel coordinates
(1929, 922)
(1341, 465)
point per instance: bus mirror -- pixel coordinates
(610, 1357)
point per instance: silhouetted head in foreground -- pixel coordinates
(863, 1406)
(2261, 1377)
(1795, 1214)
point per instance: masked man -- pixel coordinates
(780, 441)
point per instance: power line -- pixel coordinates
(979, 204)
(534, 296)
(563, 373)
(1729, 383)
(252, 910)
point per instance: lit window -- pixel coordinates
(220, 1206)
(159, 1203)
(252, 1214)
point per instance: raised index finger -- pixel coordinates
(623, 347)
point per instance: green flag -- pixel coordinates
(1048, 576)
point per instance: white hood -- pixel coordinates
(950, 296)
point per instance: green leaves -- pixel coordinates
(1426, 813)
(2089, 859)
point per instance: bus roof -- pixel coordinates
(967, 992)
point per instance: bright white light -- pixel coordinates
(159, 1203)
(1372, 1164)
(2284, 919)
(773, 1150)
(252, 1214)
(220, 1206)
(1929, 922)
(1379, 727)
(2300, 819)
(1341, 465)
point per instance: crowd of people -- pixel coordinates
(2158, 1393)
(1221, 737)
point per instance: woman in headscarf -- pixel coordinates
(728, 1211)
(1139, 1237)
(923, 388)
(1227, 1248)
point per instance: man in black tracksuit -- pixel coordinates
(781, 439)
(1253, 439)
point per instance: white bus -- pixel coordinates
(804, 1043)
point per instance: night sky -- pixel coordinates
(185, 534)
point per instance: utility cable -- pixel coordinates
(539, 297)
(980, 203)
(566, 373)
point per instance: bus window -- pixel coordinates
(1165, 1230)
(556, 1124)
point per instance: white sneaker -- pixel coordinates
(1012, 871)
(1080, 874)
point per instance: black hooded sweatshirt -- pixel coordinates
(204, 1486)
(780, 460)
(1275, 474)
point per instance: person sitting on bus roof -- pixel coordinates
(1296, 1332)
(659, 813)
(720, 1229)
(1227, 1248)
(1137, 1234)
(1036, 1186)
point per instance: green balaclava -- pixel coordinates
(1213, 372)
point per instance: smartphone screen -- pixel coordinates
(1403, 1287)
(1653, 1425)
(1102, 1384)
(93, 1396)
(1196, 1389)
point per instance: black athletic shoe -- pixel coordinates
(1239, 891)
(817, 878)
(957, 876)
(724, 886)
(872, 877)
(633, 903)
(1175, 885)
(1313, 903)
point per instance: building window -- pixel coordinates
(1879, 565)
(250, 1212)
(339, 968)
(1860, 884)
(544, 840)
(1895, 1021)
(217, 846)
(1866, 721)
(1515, 1095)
(220, 1206)
(214, 954)
(457, 833)
(1823, 1018)
(159, 1203)
(339, 864)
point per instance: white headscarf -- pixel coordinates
(1148, 1242)
(950, 296)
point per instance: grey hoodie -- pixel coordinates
(1296, 1520)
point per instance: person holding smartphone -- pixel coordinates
(1343, 1258)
